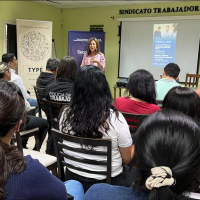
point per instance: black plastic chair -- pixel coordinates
(40, 94)
(59, 146)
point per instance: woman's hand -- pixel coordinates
(94, 60)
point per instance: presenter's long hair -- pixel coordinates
(141, 85)
(90, 105)
(12, 109)
(183, 99)
(170, 139)
(97, 46)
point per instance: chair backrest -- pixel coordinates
(193, 79)
(159, 102)
(52, 110)
(40, 94)
(135, 118)
(59, 146)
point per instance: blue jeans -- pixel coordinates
(33, 102)
(75, 189)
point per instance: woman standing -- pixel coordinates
(93, 55)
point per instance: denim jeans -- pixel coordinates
(33, 102)
(75, 189)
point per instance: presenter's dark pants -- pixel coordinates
(126, 178)
(36, 122)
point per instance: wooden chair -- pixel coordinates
(159, 102)
(50, 162)
(19, 136)
(40, 94)
(193, 79)
(59, 146)
(52, 110)
(133, 120)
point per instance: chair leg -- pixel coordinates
(19, 142)
(53, 169)
(37, 142)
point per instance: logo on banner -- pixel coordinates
(34, 69)
(81, 52)
(84, 40)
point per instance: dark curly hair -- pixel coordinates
(141, 85)
(90, 105)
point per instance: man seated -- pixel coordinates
(48, 77)
(11, 60)
(168, 81)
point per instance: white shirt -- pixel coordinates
(19, 82)
(119, 134)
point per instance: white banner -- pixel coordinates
(34, 48)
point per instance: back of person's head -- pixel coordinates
(141, 85)
(5, 71)
(167, 155)
(183, 99)
(67, 68)
(12, 109)
(52, 64)
(91, 103)
(172, 70)
(8, 57)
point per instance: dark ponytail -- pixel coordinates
(170, 139)
(12, 109)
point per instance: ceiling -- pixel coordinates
(81, 4)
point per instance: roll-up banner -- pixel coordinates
(78, 40)
(34, 48)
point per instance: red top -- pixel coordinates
(128, 105)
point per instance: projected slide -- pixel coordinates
(164, 44)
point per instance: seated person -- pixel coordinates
(183, 99)
(24, 177)
(142, 99)
(61, 90)
(92, 115)
(11, 60)
(167, 158)
(31, 121)
(48, 77)
(168, 81)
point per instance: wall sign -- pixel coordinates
(159, 10)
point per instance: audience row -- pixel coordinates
(166, 149)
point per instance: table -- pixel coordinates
(120, 91)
